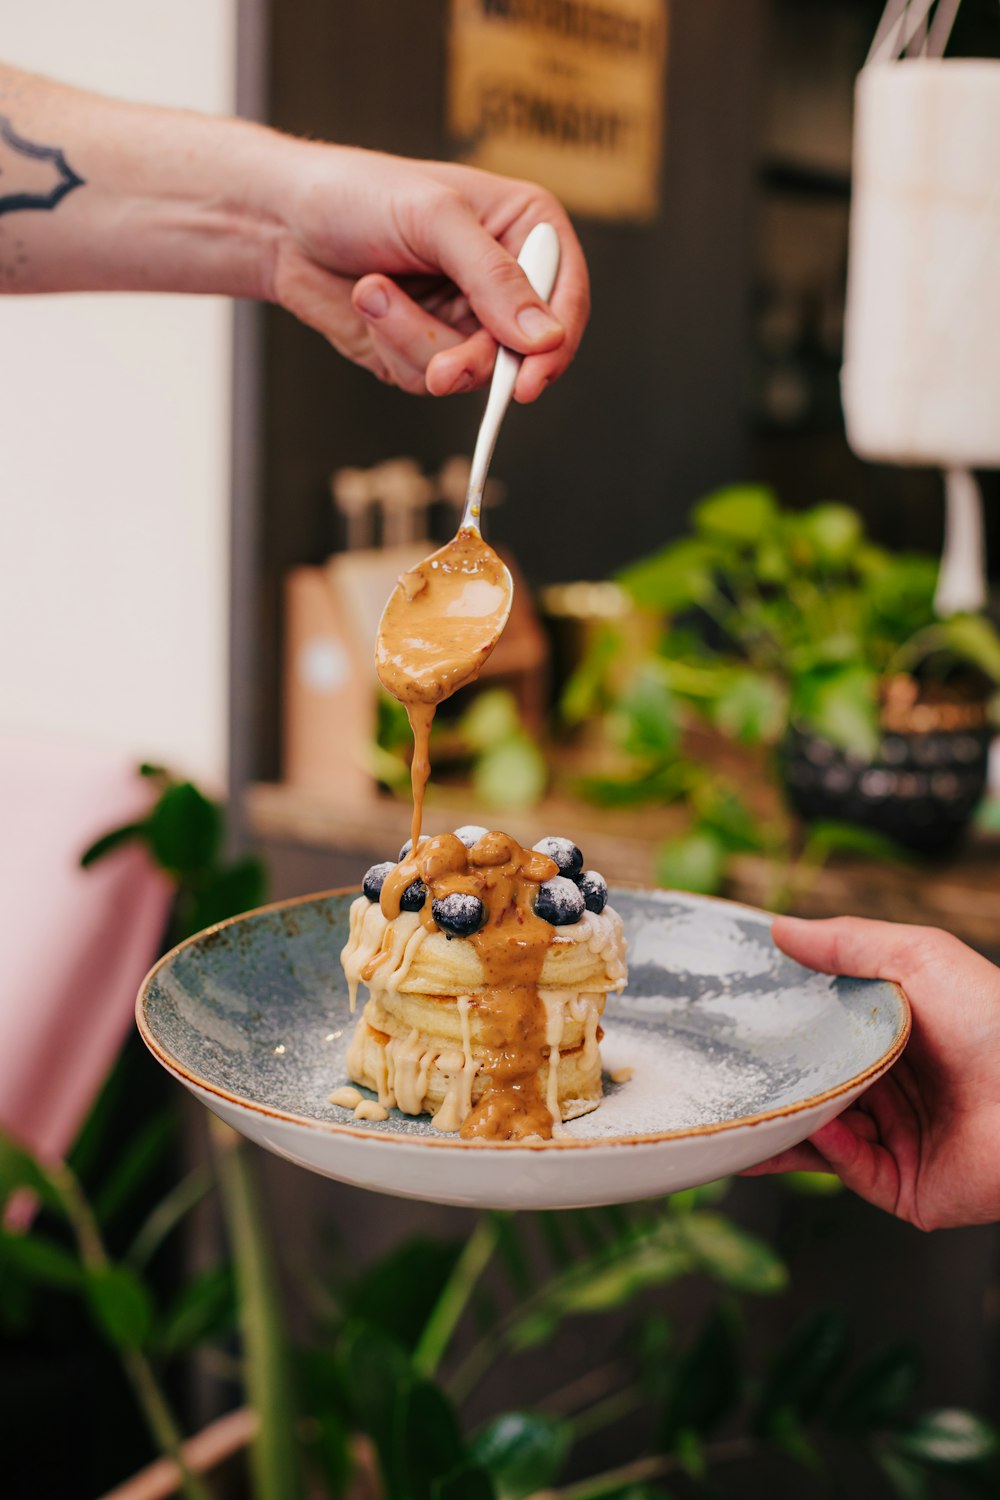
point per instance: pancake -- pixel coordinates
(494, 1033)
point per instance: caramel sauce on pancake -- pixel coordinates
(437, 629)
(511, 946)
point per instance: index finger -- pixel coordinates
(866, 949)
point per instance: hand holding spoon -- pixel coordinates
(445, 616)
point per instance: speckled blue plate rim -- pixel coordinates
(448, 1142)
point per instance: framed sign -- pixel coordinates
(569, 93)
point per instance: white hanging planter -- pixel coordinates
(921, 375)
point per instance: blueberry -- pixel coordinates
(594, 889)
(459, 914)
(565, 853)
(470, 833)
(559, 901)
(375, 879)
(413, 897)
(405, 850)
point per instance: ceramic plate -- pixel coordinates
(736, 1052)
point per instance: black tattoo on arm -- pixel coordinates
(32, 176)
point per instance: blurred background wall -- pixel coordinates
(114, 429)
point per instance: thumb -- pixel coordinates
(499, 293)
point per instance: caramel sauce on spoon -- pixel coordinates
(439, 626)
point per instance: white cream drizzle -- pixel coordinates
(347, 1097)
(591, 1053)
(555, 1015)
(401, 1069)
(369, 1110)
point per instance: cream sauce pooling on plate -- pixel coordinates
(438, 627)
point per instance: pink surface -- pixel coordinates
(74, 944)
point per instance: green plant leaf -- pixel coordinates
(832, 532)
(787, 1434)
(694, 862)
(511, 775)
(653, 1347)
(491, 717)
(468, 1482)
(143, 1152)
(372, 1369)
(722, 812)
(40, 1259)
(973, 638)
(908, 1480)
(20, 1171)
(185, 830)
(827, 837)
(607, 1280)
(647, 716)
(900, 594)
(226, 893)
(706, 1383)
(205, 1309)
(392, 727)
(332, 1450)
(752, 708)
(523, 1452)
(731, 1255)
(812, 1184)
(127, 833)
(842, 705)
(427, 1441)
(164, 1218)
(803, 1370)
(275, 1461)
(705, 1196)
(878, 1391)
(949, 1437)
(585, 694)
(676, 578)
(512, 1254)
(120, 1304)
(738, 513)
(400, 1290)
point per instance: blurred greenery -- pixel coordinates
(364, 1367)
(769, 617)
(508, 769)
(376, 1396)
(184, 834)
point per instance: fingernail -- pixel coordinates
(536, 324)
(462, 383)
(373, 302)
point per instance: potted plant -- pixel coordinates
(792, 629)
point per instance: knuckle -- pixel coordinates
(932, 946)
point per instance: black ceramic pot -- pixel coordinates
(923, 786)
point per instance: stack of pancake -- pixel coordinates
(438, 1032)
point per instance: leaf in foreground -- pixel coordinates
(949, 1437)
(523, 1452)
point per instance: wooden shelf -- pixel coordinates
(961, 894)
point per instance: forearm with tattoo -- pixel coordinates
(97, 194)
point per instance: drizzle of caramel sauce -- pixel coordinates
(511, 946)
(437, 630)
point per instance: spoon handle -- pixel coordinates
(539, 260)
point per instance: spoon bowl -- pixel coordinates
(442, 620)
